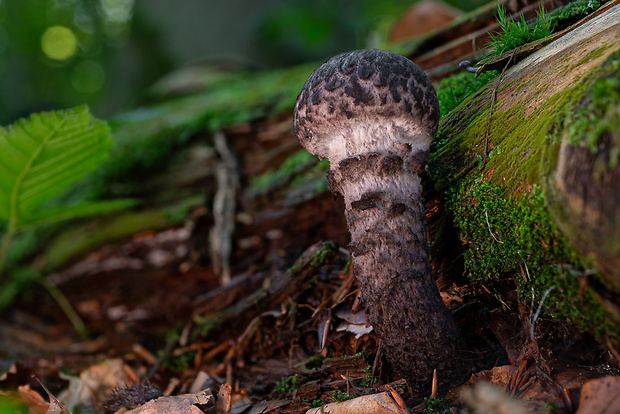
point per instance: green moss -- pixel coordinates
(145, 138)
(299, 178)
(286, 385)
(453, 90)
(340, 396)
(316, 362)
(318, 403)
(206, 324)
(283, 175)
(437, 405)
(515, 236)
(78, 240)
(499, 204)
(573, 11)
(515, 148)
(593, 54)
(314, 181)
(314, 260)
(597, 111)
(321, 256)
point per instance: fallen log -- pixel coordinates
(530, 173)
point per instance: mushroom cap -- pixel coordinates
(367, 100)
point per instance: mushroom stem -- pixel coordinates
(385, 215)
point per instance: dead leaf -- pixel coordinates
(358, 330)
(55, 406)
(12, 370)
(199, 382)
(95, 382)
(35, 402)
(486, 398)
(204, 397)
(167, 405)
(264, 407)
(600, 396)
(240, 403)
(223, 403)
(178, 404)
(358, 318)
(355, 323)
(381, 403)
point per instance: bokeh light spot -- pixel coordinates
(117, 11)
(59, 43)
(88, 76)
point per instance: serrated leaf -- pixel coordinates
(43, 155)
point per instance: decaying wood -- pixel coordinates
(581, 185)
(234, 313)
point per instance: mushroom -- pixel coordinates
(373, 114)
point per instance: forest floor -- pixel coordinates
(285, 338)
(287, 334)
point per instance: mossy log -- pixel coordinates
(530, 169)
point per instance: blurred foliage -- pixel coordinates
(44, 155)
(60, 53)
(302, 30)
(145, 138)
(104, 53)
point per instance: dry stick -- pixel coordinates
(224, 206)
(375, 363)
(611, 348)
(348, 385)
(397, 399)
(489, 226)
(535, 317)
(568, 401)
(167, 351)
(493, 96)
(65, 305)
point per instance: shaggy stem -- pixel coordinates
(386, 219)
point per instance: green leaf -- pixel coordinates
(85, 209)
(42, 156)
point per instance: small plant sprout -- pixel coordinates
(517, 33)
(373, 114)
